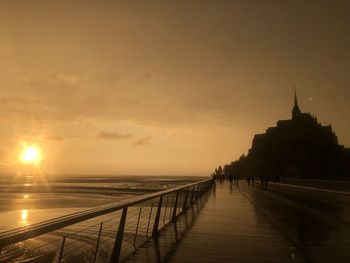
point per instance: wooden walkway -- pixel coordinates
(284, 223)
(227, 227)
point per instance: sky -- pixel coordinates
(164, 87)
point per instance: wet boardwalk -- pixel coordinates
(250, 224)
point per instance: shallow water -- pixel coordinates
(28, 200)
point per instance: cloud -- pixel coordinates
(114, 136)
(55, 138)
(143, 140)
(127, 136)
(70, 79)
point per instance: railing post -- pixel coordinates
(156, 220)
(166, 208)
(137, 227)
(201, 190)
(171, 206)
(119, 238)
(61, 251)
(192, 194)
(149, 219)
(181, 197)
(185, 201)
(196, 192)
(175, 206)
(98, 242)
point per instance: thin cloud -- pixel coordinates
(113, 136)
(143, 140)
(55, 138)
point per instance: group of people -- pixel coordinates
(250, 180)
(234, 179)
(263, 180)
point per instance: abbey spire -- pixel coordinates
(296, 110)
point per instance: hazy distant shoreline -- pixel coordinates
(92, 184)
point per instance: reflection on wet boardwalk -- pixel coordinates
(249, 224)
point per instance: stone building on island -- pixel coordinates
(296, 148)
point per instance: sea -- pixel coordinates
(25, 200)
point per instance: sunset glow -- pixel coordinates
(178, 93)
(175, 131)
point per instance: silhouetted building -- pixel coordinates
(300, 147)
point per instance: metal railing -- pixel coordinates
(106, 233)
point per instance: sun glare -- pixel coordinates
(31, 154)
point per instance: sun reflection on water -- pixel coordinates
(24, 216)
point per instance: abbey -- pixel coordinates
(299, 147)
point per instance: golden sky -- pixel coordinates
(165, 87)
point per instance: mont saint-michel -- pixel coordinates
(300, 147)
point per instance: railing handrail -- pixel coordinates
(37, 229)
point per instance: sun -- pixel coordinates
(31, 154)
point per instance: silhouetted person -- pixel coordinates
(248, 180)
